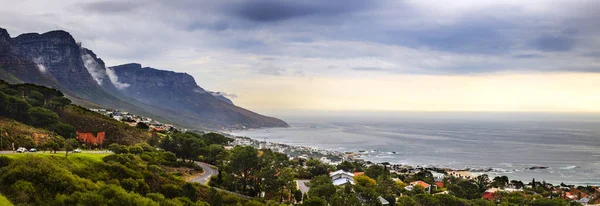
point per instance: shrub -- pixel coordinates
(118, 149)
(136, 150)
(41, 117)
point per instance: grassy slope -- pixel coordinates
(78, 160)
(116, 132)
(4, 201)
(14, 128)
(18, 133)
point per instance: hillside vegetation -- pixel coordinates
(29, 111)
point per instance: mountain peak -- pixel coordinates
(4, 36)
(56, 36)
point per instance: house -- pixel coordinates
(439, 184)
(359, 173)
(383, 201)
(341, 177)
(583, 201)
(427, 187)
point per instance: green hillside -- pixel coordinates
(28, 111)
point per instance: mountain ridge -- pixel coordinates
(55, 59)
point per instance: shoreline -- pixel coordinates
(399, 168)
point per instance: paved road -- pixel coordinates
(208, 172)
(302, 185)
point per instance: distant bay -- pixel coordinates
(568, 144)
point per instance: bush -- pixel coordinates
(41, 117)
(136, 150)
(118, 149)
(65, 130)
(4, 161)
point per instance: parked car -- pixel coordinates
(32, 150)
(21, 150)
(77, 151)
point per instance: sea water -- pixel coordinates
(509, 144)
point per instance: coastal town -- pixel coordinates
(133, 120)
(429, 180)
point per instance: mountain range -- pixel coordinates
(56, 60)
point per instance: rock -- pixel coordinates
(537, 168)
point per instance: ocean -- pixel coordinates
(509, 143)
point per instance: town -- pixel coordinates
(137, 120)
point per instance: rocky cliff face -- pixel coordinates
(167, 89)
(56, 60)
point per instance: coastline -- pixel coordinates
(334, 157)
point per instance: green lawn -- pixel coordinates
(74, 160)
(4, 201)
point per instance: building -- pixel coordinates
(427, 187)
(383, 201)
(341, 177)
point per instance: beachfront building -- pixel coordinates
(341, 177)
(427, 187)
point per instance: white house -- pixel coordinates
(341, 177)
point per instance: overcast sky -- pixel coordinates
(279, 55)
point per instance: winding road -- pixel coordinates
(208, 172)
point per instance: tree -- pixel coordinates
(213, 153)
(365, 181)
(517, 184)
(406, 201)
(346, 166)
(41, 117)
(35, 98)
(214, 138)
(184, 145)
(375, 171)
(141, 125)
(465, 189)
(286, 180)
(316, 168)
(243, 162)
(321, 186)
(482, 182)
(53, 143)
(298, 195)
(70, 145)
(500, 181)
(65, 130)
(386, 187)
(345, 197)
(315, 201)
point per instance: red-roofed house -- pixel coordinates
(420, 183)
(439, 184)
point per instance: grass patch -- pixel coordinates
(73, 161)
(4, 201)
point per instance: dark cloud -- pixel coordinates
(278, 10)
(554, 43)
(111, 6)
(483, 36)
(527, 56)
